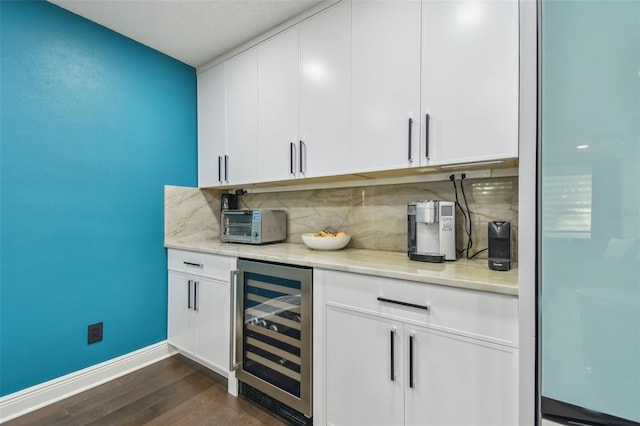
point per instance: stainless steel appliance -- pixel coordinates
(272, 322)
(256, 226)
(431, 233)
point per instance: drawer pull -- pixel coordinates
(197, 265)
(398, 302)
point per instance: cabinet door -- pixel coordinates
(242, 118)
(459, 381)
(211, 125)
(470, 80)
(385, 84)
(325, 92)
(359, 388)
(180, 319)
(212, 327)
(278, 106)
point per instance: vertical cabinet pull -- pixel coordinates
(189, 294)
(303, 157)
(292, 150)
(411, 344)
(392, 335)
(426, 135)
(226, 168)
(219, 168)
(410, 129)
(196, 284)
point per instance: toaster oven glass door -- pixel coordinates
(237, 225)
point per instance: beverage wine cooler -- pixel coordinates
(272, 322)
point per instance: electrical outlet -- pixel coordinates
(94, 334)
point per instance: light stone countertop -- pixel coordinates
(468, 274)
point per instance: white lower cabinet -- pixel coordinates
(360, 390)
(460, 381)
(198, 308)
(385, 367)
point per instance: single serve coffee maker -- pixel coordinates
(431, 234)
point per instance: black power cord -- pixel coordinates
(452, 178)
(470, 230)
(468, 224)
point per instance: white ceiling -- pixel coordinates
(192, 31)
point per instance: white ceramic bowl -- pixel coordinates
(325, 243)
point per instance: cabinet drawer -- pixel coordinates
(203, 264)
(488, 316)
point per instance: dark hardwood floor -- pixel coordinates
(175, 391)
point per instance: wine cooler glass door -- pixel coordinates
(274, 341)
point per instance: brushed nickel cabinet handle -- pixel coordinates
(410, 130)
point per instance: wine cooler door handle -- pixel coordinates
(233, 279)
(411, 347)
(392, 335)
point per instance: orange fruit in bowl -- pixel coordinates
(341, 234)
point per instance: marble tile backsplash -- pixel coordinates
(375, 216)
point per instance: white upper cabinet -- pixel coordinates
(469, 81)
(365, 86)
(211, 126)
(278, 107)
(242, 118)
(385, 84)
(325, 92)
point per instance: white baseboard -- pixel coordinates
(38, 396)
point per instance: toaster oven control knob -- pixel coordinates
(255, 233)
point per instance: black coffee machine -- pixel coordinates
(500, 246)
(229, 202)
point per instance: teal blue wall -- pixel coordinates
(93, 125)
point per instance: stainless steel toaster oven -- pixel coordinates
(256, 226)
